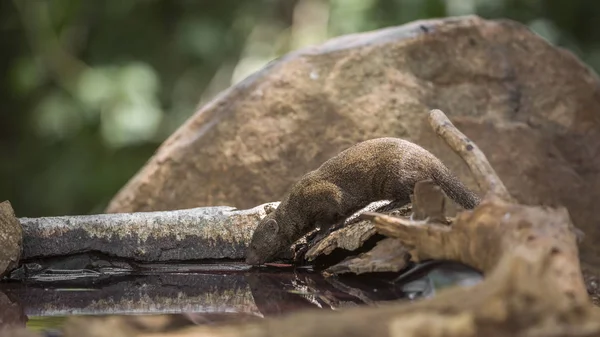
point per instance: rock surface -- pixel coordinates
(534, 110)
(191, 234)
(11, 238)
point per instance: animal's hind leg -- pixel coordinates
(399, 189)
(400, 201)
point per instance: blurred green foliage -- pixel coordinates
(91, 88)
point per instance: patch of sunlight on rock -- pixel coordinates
(546, 29)
(349, 16)
(130, 122)
(56, 116)
(460, 7)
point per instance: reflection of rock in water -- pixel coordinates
(11, 313)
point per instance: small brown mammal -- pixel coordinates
(373, 170)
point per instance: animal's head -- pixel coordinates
(267, 242)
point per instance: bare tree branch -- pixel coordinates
(480, 167)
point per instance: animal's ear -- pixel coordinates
(272, 226)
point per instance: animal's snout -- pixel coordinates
(252, 258)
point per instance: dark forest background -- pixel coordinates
(89, 89)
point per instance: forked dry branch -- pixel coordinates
(477, 162)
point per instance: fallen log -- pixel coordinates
(529, 254)
(190, 234)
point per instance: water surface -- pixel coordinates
(208, 294)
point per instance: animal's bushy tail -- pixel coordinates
(455, 189)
